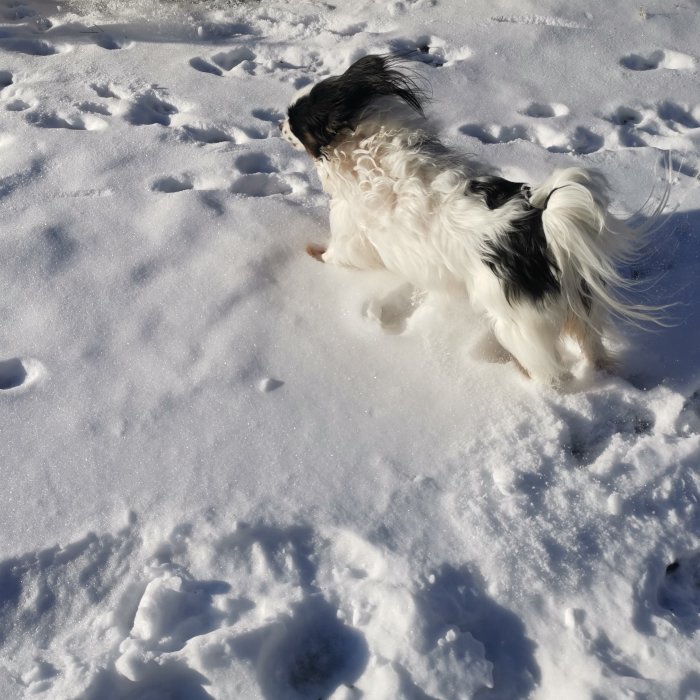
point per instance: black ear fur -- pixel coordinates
(336, 104)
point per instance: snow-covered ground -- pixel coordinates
(229, 471)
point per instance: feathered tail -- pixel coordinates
(590, 245)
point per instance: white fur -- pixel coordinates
(398, 201)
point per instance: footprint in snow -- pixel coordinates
(204, 66)
(392, 312)
(666, 119)
(12, 374)
(260, 185)
(676, 116)
(94, 108)
(582, 141)
(17, 374)
(17, 105)
(625, 116)
(679, 590)
(670, 60)
(492, 134)
(228, 60)
(32, 47)
(104, 90)
(53, 120)
(148, 108)
(108, 42)
(170, 184)
(310, 654)
(545, 110)
(202, 135)
(590, 436)
(268, 115)
(265, 386)
(251, 163)
(6, 79)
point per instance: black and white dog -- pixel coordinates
(541, 262)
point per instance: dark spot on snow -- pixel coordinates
(672, 567)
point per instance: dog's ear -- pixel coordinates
(337, 104)
(377, 76)
(314, 119)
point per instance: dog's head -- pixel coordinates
(320, 113)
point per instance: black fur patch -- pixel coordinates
(336, 104)
(521, 261)
(496, 190)
(585, 294)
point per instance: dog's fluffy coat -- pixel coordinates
(540, 262)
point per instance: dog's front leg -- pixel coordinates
(355, 251)
(349, 245)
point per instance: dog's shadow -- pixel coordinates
(669, 276)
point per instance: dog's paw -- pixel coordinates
(316, 251)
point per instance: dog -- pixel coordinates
(539, 262)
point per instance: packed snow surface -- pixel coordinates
(229, 471)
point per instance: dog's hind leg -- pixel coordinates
(590, 340)
(533, 343)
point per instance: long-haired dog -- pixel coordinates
(541, 262)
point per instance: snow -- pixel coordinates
(230, 471)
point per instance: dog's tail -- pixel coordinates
(590, 246)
